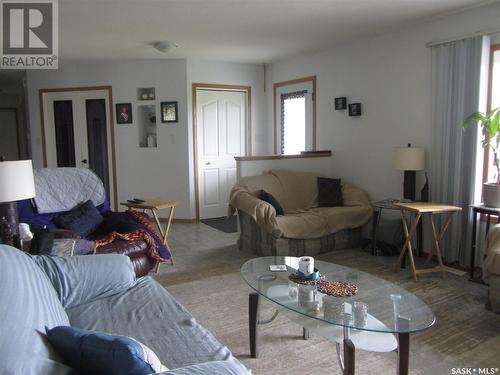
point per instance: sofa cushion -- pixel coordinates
(330, 192)
(151, 315)
(28, 304)
(84, 278)
(93, 352)
(267, 182)
(210, 368)
(269, 198)
(322, 221)
(301, 189)
(82, 219)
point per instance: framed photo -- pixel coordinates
(355, 109)
(168, 111)
(124, 113)
(340, 103)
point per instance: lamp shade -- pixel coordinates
(16, 180)
(409, 158)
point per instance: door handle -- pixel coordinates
(208, 163)
(84, 161)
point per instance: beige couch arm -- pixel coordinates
(262, 212)
(354, 196)
(491, 265)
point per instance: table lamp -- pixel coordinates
(16, 183)
(409, 159)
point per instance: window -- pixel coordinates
(293, 122)
(295, 116)
(489, 171)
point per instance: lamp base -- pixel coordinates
(10, 228)
(409, 185)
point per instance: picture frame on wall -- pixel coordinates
(123, 113)
(168, 112)
(340, 103)
(355, 109)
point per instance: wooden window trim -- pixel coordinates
(486, 158)
(486, 153)
(289, 83)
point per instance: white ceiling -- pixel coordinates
(253, 31)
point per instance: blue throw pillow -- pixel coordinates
(91, 352)
(83, 219)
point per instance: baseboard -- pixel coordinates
(183, 221)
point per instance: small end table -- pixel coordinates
(419, 209)
(154, 205)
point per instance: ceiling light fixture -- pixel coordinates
(165, 46)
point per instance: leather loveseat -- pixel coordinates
(68, 187)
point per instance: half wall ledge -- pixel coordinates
(303, 154)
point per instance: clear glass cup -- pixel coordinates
(333, 309)
(307, 294)
(360, 314)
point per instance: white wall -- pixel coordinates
(322, 165)
(390, 75)
(166, 171)
(141, 172)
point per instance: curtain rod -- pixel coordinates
(470, 35)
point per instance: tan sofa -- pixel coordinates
(491, 267)
(305, 229)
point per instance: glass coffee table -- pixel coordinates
(379, 317)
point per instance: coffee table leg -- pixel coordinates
(253, 321)
(403, 346)
(375, 222)
(305, 333)
(349, 357)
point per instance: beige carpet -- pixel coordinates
(206, 280)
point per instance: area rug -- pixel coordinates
(207, 282)
(224, 224)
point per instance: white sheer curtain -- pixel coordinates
(456, 77)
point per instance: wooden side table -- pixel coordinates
(154, 205)
(419, 209)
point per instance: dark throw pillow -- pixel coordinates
(330, 192)
(267, 197)
(82, 219)
(91, 352)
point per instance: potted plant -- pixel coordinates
(490, 125)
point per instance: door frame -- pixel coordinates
(248, 130)
(18, 128)
(109, 89)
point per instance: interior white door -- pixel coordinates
(78, 118)
(221, 124)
